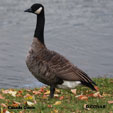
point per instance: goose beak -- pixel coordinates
(29, 10)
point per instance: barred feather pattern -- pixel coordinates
(51, 68)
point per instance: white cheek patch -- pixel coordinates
(38, 11)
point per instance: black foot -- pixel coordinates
(52, 90)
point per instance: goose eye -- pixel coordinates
(38, 11)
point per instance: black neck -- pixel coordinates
(39, 31)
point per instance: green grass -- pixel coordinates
(69, 104)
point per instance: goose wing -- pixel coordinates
(66, 70)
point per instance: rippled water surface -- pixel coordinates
(81, 30)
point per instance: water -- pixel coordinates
(81, 30)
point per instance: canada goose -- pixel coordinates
(49, 67)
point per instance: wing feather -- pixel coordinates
(64, 69)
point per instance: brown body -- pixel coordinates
(51, 68)
(37, 62)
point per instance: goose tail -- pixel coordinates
(90, 85)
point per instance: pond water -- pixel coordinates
(81, 30)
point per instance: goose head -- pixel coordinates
(36, 9)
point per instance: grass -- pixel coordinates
(64, 102)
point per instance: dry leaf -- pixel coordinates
(34, 100)
(1, 110)
(18, 95)
(86, 107)
(1, 97)
(42, 90)
(44, 96)
(47, 93)
(3, 105)
(57, 91)
(57, 103)
(28, 90)
(21, 112)
(20, 92)
(7, 112)
(36, 92)
(74, 91)
(15, 105)
(106, 95)
(110, 102)
(90, 95)
(111, 80)
(5, 91)
(96, 88)
(55, 111)
(78, 95)
(29, 103)
(28, 97)
(13, 93)
(83, 97)
(56, 95)
(49, 106)
(110, 112)
(18, 103)
(61, 98)
(97, 94)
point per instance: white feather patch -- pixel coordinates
(38, 11)
(69, 84)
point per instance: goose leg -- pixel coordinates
(52, 90)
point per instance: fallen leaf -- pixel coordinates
(18, 103)
(1, 110)
(111, 80)
(97, 94)
(110, 102)
(28, 97)
(57, 103)
(28, 90)
(106, 95)
(1, 97)
(13, 93)
(47, 93)
(7, 112)
(78, 95)
(36, 92)
(96, 88)
(42, 90)
(34, 100)
(49, 106)
(3, 105)
(74, 91)
(20, 92)
(29, 103)
(10, 91)
(85, 107)
(110, 112)
(58, 91)
(15, 105)
(90, 95)
(83, 97)
(21, 112)
(55, 111)
(44, 96)
(18, 95)
(56, 95)
(61, 98)
(5, 91)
